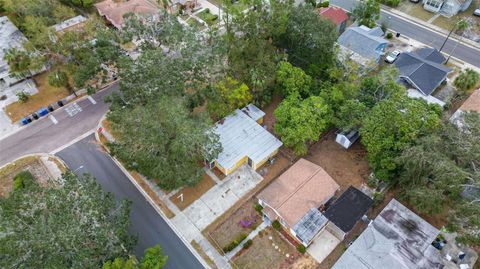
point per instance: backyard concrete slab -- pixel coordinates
(222, 196)
(323, 245)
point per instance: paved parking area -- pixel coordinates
(222, 196)
(323, 245)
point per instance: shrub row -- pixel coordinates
(247, 244)
(234, 243)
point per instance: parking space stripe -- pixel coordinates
(91, 99)
(53, 119)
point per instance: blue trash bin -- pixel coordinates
(25, 121)
(42, 112)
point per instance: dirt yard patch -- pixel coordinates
(269, 119)
(187, 195)
(346, 167)
(305, 262)
(46, 95)
(415, 10)
(31, 164)
(244, 220)
(268, 250)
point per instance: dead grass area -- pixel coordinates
(31, 164)
(191, 194)
(46, 95)
(152, 194)
(231, 228)
(305, 262)
(415, 10)
(269, 119)
(346, 167)
(448, 23)
(202, 254)
(268, 250)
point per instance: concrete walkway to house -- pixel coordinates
(254, 233)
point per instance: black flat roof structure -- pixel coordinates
(348, 209)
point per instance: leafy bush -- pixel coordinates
(234, 243)
(467, 80)
(23, 96)
(378, 198)
(258, 208)
(247, 244)
(301, 249)
(276, 225)
(324, 4)
(389, 36)
(22, 179)
(391, 3)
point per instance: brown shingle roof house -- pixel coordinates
(113, 11)
(295, 196)
(472, 104)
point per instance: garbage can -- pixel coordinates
(42, 112)
(26, 121)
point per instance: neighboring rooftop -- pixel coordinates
(396, 239)
(348, 209)
(334, 14)
(241, 136)
(364, 41)
(253, 112)
(302, 187)
(10, 37)
(472, 104)
(114, 11)
(69, 23)
(423, 69)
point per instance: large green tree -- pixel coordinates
(441, 170)
(226, 96)
(291, 79)
(70, 224)
(309, 40)
(391, 126)
(153, 258)
(367, 12)
(163, 140)
(301, 121)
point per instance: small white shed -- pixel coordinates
(347, 138)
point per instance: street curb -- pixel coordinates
(150, 200)
(431, 27)
(42, 154)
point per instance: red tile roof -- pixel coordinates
(335, 14)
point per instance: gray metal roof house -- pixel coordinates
(423, 69)
(244, 140)
(396, 239)
(366, 44)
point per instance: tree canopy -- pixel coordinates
(163, 141)
(74, 225)
(367, 12)
(391, 126)
(153, 258)
(226, 96)
(301, 121)
(290, 80)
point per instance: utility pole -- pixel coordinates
(453, 28)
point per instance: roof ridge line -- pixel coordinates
(300, 186)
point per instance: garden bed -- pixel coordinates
(31, 164)
(244, 220)
(268, 250)
(206, 16)
(191, 194)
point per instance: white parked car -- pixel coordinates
(477, 12)
(392, 56)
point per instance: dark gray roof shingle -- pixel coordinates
(423, 69)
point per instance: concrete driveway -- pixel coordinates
(323, 245)
(222, 196)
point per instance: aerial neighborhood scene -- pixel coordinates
(240, 134)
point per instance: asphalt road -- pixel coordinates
(43, 136)
(422, 34)
(86, 156)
